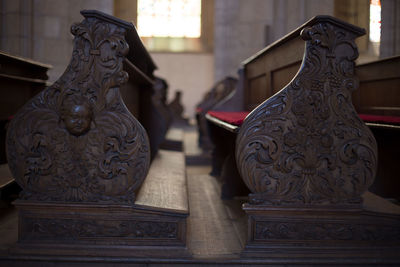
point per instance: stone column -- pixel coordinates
(39, 29)
(16, 18)
(390, 29)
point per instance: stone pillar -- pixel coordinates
(242, 28)
(39, 29)
(390, 29)
(240, 31)
(16, 18)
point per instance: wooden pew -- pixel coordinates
(308, 160)
(83, 161)
(20, 80)
(218, 92)
(143, 94)
(260, 76)
(177, 110)
(160, 98)
(378, 103)
(263, 74)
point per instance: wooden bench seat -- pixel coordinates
(165, 185)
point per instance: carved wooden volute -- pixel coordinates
(76, 141)
(306, 144)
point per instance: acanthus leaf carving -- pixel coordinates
(306, 144)
(76, 141)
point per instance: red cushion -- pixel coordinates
(199, 110)
(237, 118)
(232, 117)
(379, 118)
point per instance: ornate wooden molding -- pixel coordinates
(312, 230)
(306, 144)
(81, 229)
(76, 141)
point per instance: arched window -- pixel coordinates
(375, 25)
(175, 25)
(375, 21)
(167, 18)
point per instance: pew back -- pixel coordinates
(379, 91)
(21, 79)
(269, 70)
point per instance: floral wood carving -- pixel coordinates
(306, 144)
(76, 141)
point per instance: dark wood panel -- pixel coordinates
(381, 97)
(130, 95)
(282, 76)
(257, 91)
(269, 71)
(379, 90)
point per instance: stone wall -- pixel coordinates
(245, 27)
(191, 73)
(390, 35)
(40, 29)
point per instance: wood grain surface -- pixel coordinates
(165, 185)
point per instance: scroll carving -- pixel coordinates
(306, 144)
(76, 141)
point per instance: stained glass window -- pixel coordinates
(375, 21)
(169, 18)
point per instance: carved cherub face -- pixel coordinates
(77, 117)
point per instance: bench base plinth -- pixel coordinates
(332, 235)
(84, 230)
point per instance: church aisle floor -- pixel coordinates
(214, 224)
(212, 230)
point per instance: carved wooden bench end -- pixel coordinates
(307, 157)
(80, 157)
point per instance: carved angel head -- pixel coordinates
(76, 114)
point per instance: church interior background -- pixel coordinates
(229, 32)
